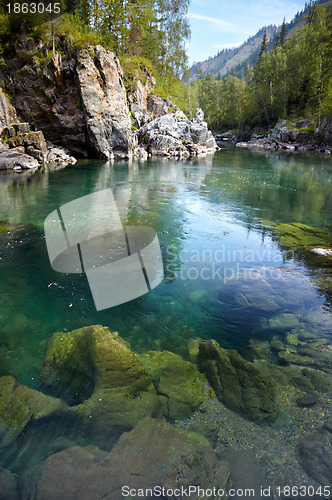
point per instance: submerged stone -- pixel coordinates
(20, 406)
(300, 236)
(239, 384)
(283, 321)
(176, 379)
(8, 485)
(101, 377)
(153, 453)
(314, 453)
(80, 362)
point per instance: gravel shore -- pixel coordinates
(274, 448)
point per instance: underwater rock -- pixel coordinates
(176, 379)
(207, 429)
(80, 362)
(300, 236)
(246, 473)
(153, 453)
(193, 349)
(110, 412)
(283, 321)
(314, 453)
(20, 406)
(8, 485)
(239, 384)
(100, 375)
(310, 399)
(315, 356)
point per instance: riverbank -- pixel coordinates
(301, 136)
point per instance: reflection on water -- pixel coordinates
(207, 215)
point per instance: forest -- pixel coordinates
(290, 80)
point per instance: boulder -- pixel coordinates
(199, 116)
(49, 99)
(314, 453)
(20, 406)
(86, 360)
(99, 375)
(157, 106)
(199, 133)
(246, 474)
(153, 454)
(240, 385)
(7, 111)
(324, 131)
(104, 103)
(58, 155)
(8, 485)
(177, 380)
(172, 134)
(11, 159)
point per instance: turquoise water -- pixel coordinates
(207, 214)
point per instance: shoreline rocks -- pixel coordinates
(22, 148)
(301, 136)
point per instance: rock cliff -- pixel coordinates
(79, 101)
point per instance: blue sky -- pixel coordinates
(218, 24)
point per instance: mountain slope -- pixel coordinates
(227, 59)
(236, 59)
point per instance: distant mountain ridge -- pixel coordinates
(236, 59)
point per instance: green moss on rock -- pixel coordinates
(241, 385)
(20, 405)
(176, 379)
(298, 236)
(88, 359)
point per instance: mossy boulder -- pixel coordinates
(110, 412)
(100, 376)
(20, 406)
(86, 360)
(176, 379)
(301, 237)
(240, 385)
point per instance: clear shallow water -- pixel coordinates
(207, 214)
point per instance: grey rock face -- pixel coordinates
(104, 102)
(7, 112)
(199, 116)
(325, 131)
(172, 134)
(11, 159)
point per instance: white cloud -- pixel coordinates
(222, 23)
(228, 45)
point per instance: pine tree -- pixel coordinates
(283, 33)
(263, 45)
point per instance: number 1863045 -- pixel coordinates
(305, 491)
(33, 8)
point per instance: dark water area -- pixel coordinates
(226, 276)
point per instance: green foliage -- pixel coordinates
(292, 80)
